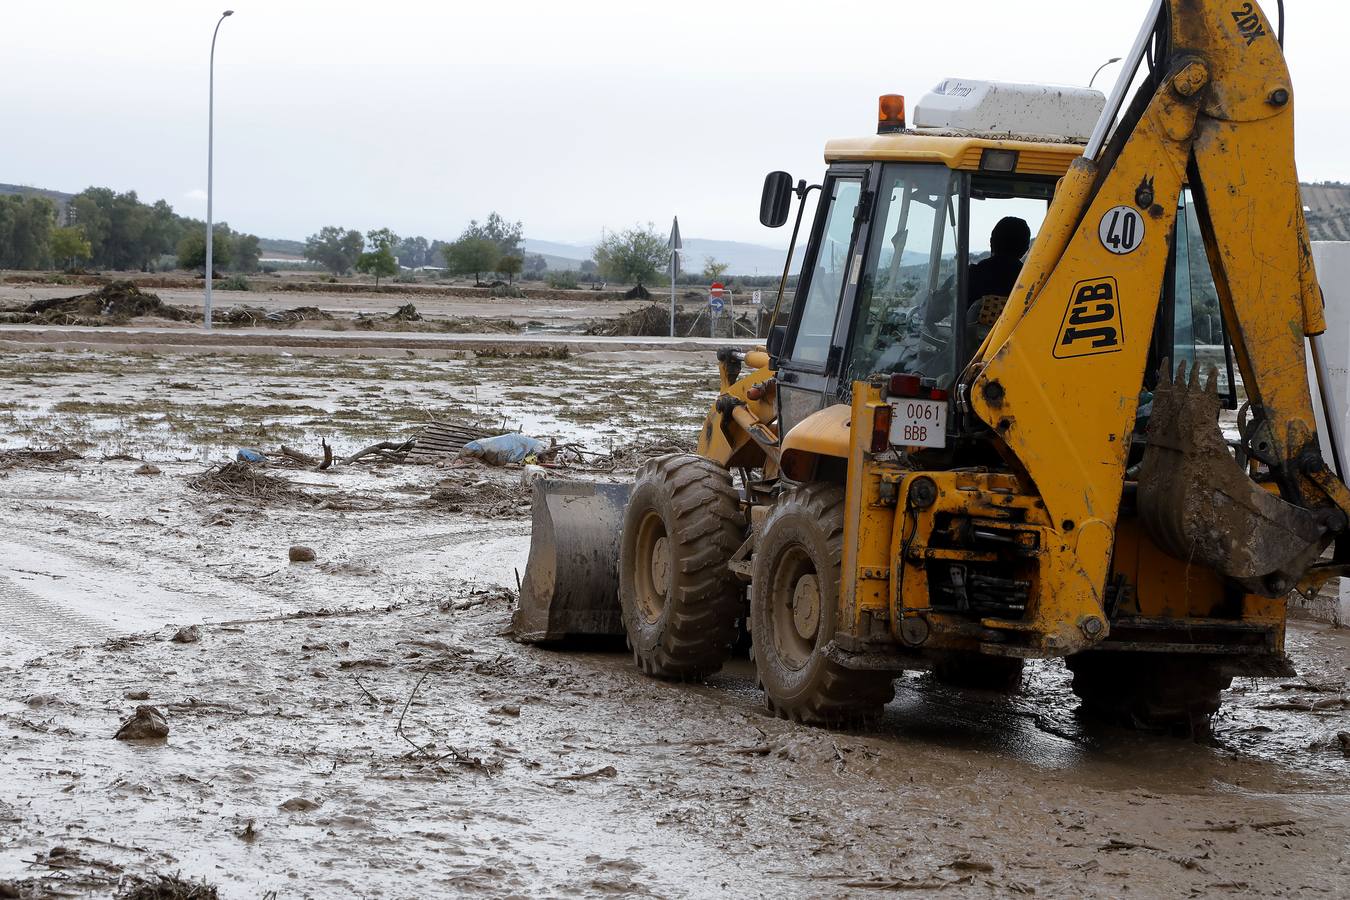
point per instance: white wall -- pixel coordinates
(1333, 272)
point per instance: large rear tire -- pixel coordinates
(794, 603)
(680, 602)
(1150, 691)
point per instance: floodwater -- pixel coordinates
(360, 725)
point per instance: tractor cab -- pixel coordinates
(909, 260)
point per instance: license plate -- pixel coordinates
(919, 423)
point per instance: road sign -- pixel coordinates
(716, 304)
(717, 289)
(757, 297)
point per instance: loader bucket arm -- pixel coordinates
(1058, 378)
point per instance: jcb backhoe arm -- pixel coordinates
(1059, 376)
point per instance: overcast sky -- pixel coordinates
(572, 117)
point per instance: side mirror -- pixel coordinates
(776, 201)
(774, 342)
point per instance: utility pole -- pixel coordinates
(210, 163)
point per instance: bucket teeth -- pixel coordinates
(1199, 505)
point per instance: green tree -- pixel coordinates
(69, 247)
(162, 230)
(246, 252)
(89, 211)
(192, 248)
(535, 265)
(714, 270)
(128, 235)
(413, 252)
(26, 224)
(635, 255)
(124, 233)
(510, 266)
(378, 236)
(508, 236)
(472, 255)
(380, 261)
(436, 253)
(335, 249)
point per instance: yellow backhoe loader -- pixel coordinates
(947, 457)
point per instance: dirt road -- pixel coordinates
(359, 725)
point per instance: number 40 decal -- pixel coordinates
(1122, 230)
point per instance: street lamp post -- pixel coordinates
(210, 161)
(1110, 62)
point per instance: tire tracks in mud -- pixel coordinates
(163, 585)
(395, 548)
(27, 616)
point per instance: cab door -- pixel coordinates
(827, 283)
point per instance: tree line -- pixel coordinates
(495, 246)
(492, 246)
(108, 230)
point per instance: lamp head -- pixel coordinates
(228, 12)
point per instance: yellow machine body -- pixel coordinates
(1063, 410)
(1101, 530)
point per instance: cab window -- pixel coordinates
(906, 301)
(829, 271)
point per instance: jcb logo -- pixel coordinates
(1092, 323)
(1249, 23)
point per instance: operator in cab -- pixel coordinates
(996, 275)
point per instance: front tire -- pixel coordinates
(794, 609)
(680, 602)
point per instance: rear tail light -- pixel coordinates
(904, 385)
(881, 428)
(914, 387)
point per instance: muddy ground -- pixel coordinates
(360, 726)
(572, 313)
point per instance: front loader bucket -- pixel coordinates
(1199, 505)
(571, 583)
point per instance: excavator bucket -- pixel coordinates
(1200, 505)
(571, 583)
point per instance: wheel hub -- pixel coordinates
(806, 607)
(661, 566)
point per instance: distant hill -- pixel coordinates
(565, 255)
(278, 246)
(742, 258)
(61, 199)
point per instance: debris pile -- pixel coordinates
(243, 481)
(166, 887)
(407, 318)
(406, 313)
(633, 454)
(252, 316)
(480, 496)
(113, 304)
(647, 321)
(27, 456)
